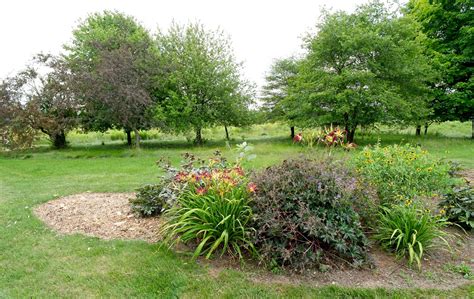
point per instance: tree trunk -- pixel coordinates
(59, 140)
(129, 137)
(350, 135)
(226, 133)
(198, 139)
(292, 129)
(137, 138)
(426, 128)
(472, 129)
(418, 130)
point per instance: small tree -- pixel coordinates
(276, 90)
(113, 59)
(203, 86)
(15, 132)
(362, 68)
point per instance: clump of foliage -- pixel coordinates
(403, 171)
(329, 137)
(151, 200)
(304, 215)
(212, 207)
(458, 206)
(409, 231)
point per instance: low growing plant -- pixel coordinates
(409, 231)
(403, 171)
(458, 206)
(152, 200)
(304, 215)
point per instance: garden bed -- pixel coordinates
(108, 216)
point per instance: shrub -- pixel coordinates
(151, 200)
(403, 171)
(303, 215)
(408, 231)
(458, 206)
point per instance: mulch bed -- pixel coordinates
(104, 215)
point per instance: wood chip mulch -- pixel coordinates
(104, 215)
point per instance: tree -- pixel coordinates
(50, 101)
(276, 90)
(203, 86)
(15, 132)
(361, 68)
(449, 25)
(114, 61)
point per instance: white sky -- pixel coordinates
(261, 31)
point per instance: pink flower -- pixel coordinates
(201, 190)
(298, 138)
(252, 187)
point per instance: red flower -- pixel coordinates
(239, 170)
(252, 187)
(181, 176)
(201, 190)
(298, 138)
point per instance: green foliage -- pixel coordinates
(203, 86)
(151, 200)
(276, 89)
(449, 25)
(213, 212)
(409, 231)
(304, 215)
(403, 171)
(458, 206)
(361, 68)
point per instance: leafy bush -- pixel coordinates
(458, 206)
(212, 208)
(403, 171)
(408, 231)
(151, 200)
(304, 215)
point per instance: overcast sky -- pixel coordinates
(260, 30)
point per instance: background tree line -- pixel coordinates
(115, 74)
(407, 65)
(381, 64)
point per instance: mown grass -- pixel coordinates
(36, 262)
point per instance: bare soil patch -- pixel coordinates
(104, 215)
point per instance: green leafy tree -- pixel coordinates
(276, 90)
(203, 86)
(362, 68)
(449, 25)
(114, 60)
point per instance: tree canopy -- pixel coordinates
(449, 25)
(361, 68)
(203, 86)
(114, 60)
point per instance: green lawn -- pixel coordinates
(35, 262)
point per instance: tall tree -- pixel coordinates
(204, 86)
(276, 90)
(114, 60)
(449, 24)
(362, 68)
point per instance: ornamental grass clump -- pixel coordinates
(304, 215)
(409, 231)
(403, 171)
